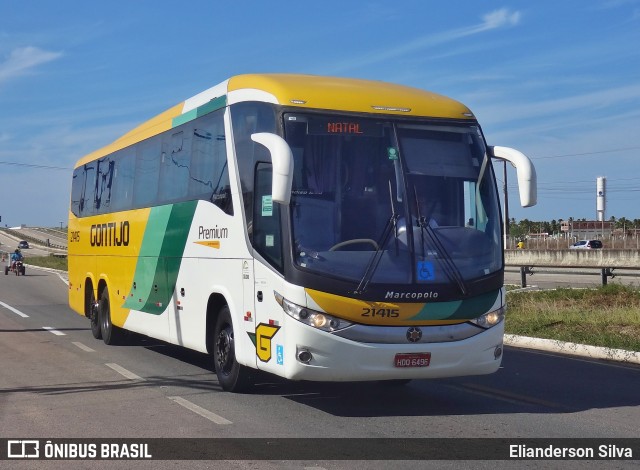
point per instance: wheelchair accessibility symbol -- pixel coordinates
(425, 271)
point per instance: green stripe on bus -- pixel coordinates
(160, 257)
(174, 242)
(211, 106)
(458, 309)
(148, 258)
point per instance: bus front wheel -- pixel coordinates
(232, 376)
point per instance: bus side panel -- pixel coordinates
(79, 267)
(188, 317)
(151, 296)
(105, 249)
(214, 262)
(198, 279)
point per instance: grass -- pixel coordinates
(608, 316)
(53, 262)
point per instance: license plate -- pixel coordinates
(412, 359)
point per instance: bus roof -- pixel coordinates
(303, 91)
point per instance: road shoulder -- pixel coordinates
(572, 349)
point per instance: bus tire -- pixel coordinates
(94, 315)
(111, 334)
(232, 376)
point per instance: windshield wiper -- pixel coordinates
(391, 226)
(445, 260)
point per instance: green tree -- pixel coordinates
(516, 230)
(525, 225)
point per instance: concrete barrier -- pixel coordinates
(621, 259)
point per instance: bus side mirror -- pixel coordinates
(282, 165)
(527, 179)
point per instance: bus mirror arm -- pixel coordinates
(527, 179)
(282, 165)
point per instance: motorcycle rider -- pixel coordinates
(16, 256)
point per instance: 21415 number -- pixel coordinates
(380, 312)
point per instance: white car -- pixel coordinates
(586, 245)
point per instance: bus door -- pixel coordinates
(269, 339)
(267, 241)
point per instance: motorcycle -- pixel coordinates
(17, 267)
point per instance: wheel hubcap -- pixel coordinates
(224, 348)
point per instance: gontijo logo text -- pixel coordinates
(110, 234)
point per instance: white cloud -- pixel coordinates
(500, 18)
(615, 4)
(576, 108)
(23, 59)
(492, 20)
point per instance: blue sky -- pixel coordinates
(559, 80)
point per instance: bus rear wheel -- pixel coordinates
(94, 315)
(232, 376)
(111, 334)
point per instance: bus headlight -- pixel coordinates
(319, 320)
(489, 319)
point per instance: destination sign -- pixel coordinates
(344, 126)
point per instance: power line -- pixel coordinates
(588, 153)
(28, 165)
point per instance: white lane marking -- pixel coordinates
(16, 311)
(122, 371)
(63, 279)
(54, 331)
(201, 411)
(83, 347)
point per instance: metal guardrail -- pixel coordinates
(22, 236)
(30, 239)
(604, 273)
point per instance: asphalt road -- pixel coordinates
(58, 381)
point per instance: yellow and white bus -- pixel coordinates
(315, 228)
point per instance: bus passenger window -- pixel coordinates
(147, 172)
(124, 173)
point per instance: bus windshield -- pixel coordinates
(392, 202)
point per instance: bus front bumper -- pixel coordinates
(310, 354)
